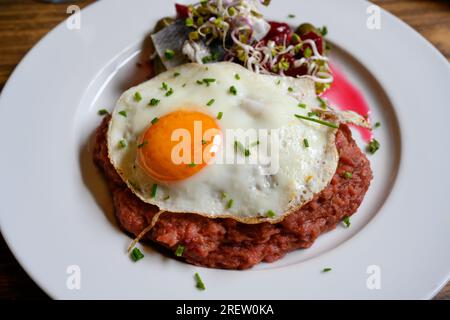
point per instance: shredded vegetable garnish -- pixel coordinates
(325, 123)
(240, 31)
(144, 232)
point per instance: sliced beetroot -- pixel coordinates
(316, 38)
(182, 11)
(278, 32)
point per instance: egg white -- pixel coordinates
(261, 102)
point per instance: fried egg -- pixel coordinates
(221, 141)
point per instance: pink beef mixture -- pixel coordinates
(228, 244)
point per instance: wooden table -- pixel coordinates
(24, 22)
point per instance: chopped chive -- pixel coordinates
(211, 102)
(154, 188)
(239, 146)
(271, 214)
(191, 165)
(169, 92)
(184, 85)
(306, 143)
(323, 103)
(122, 144)
(313, 113)
(103, 112)
(199, 285)
(166, 198)
(136, 254)
(324, 31)
(203, 142)
(230, 203)
(189, 22)
(377, 124)
(302, 105)
(155, 120)
(137, 96)
(164, 86)
(199, 82)
(237, 76)
(346, 221)
(291, 16)
(143, 144)
(179, 251)
(347, 175)
(169, 54)
(224, 195)
(373, 146)
(233, 90)
(176, 74)
(325, 123)
(208, 81)
(154, 102)
(123, 113)
(219, 115)
(326, 269)
(290, 89)
(307, 53)
(278, 82)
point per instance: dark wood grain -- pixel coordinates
(24, 22)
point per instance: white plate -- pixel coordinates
(56, 211)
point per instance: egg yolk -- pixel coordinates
(178, 145)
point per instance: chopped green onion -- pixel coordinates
(137, 96)
(122, 143)
(373, 146)
(291, 16)
(200, 285)
(164, 86)
(326, 269)
(103, 112)
(169, 92)
(230, 203)
(155, 120)
(306, 143)
(169, 54)
(204, 142)
(176, 74)
(307, 53)
(166, 198)
(154, 188)
(199, 82)
(346, 221)
(347, 175)
(377, 124)
(224, 195)
(324, 31)
(302, 105)
(219, 115)
(237, 76)
(143, 144)
(123, 113)
(323, 103)
(233, 90)
(154, 102)
(271, 214)
(211, 102)
(290, 89)
(325, 123)
(136, 254)
(179, 251)
(184, 85)
(278, 82)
